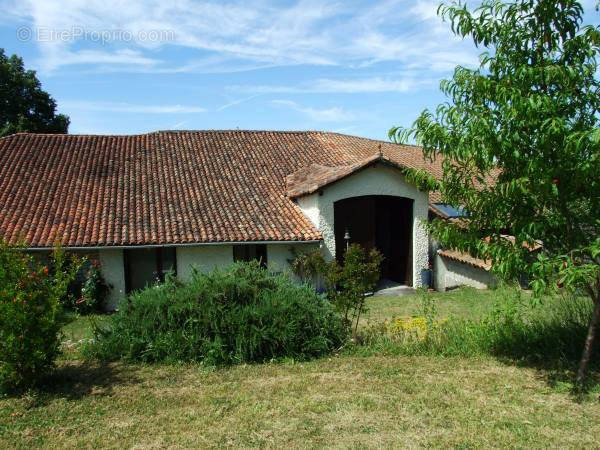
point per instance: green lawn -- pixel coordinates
(80, 327)
(464, 302)
(341, 401)
(77, 330)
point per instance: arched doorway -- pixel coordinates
(382, 222)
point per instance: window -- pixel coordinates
(146, 266)
(251, 252)
(450, 211)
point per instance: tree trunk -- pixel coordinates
(589, 342)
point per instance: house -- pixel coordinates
(143, 205)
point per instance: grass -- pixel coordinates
(341, 401)
(80, 327)
(77, 330)
(468, 303)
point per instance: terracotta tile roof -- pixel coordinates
(169, 187)
(314, 177)
(482, 263)
(466, 259)
(537, 245)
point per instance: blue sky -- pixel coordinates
(122, 67)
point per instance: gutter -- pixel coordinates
(200, 244)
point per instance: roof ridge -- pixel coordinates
(27, 133)
(369, 139)
(208, 130)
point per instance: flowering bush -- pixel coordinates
(29, 315)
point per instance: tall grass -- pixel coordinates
(546, 333)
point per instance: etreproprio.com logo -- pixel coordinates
(46, 34)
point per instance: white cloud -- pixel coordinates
(242, 34)
(425, 9)
(58, 57)
(334, 114)
(236, 102)
(360, 85)
(344, 86)
(128, 107)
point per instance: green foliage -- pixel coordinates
(238, 315)
(25, 106)
(520, 143)
(72, 295)
(310, 266)
(347, 284)
(93, 292)
(29, 316)
(519, 137)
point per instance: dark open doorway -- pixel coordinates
(147, 266)
(382, 222)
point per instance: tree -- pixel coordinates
(24, 106)
(520, 143)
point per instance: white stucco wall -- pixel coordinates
(309, 204)
(279, 255)
(376, 180)
(449, 274)
(203, 257)
(113, 271)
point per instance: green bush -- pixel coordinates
(241, 314)
(88, 291)
(30, 318)
(347, 284)
(94, 291)
(310, 267)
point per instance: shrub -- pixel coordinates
(347, 284)
(242, 314)
(310, 267)
(93, 291)
(88, 290)
(29, 316)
